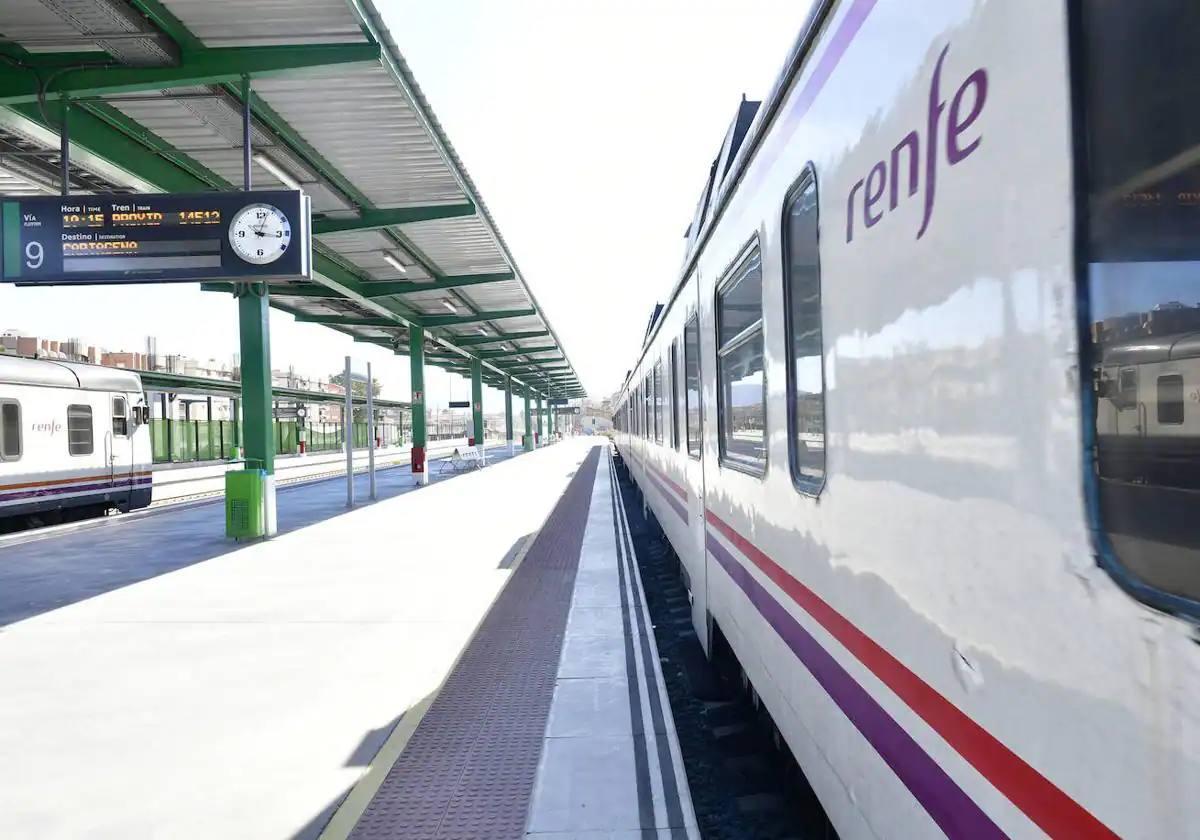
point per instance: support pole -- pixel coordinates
(166, 413)
(541, 440)
(236, 411)
(254, 326)
(508, 415)
(477, 404)
(416, 355)
(528, 437)
(348, 436)
(255, 333)
(247, 152)
(371, 432)
(64, 146)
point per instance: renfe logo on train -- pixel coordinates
(885, 175)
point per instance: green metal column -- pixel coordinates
(508, 417)
(477, 403)
(416, 351)
(255, 330)
(540, 430)
(527, 439)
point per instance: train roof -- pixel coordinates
(1150, 349)
(750, 125)
(17, 370)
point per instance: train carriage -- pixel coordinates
(888, 423)
(74, 439)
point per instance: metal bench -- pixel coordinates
(461, 461)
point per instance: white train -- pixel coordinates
(920, 416)
(74, 439)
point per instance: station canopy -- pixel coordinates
(153, 92)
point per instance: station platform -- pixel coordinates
(470, 660)
(49, 568)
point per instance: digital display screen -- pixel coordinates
(117, 238)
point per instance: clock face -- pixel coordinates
(260, 233)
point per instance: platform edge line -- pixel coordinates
(659, 688)
(354, 804)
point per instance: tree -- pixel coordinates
(359, 389)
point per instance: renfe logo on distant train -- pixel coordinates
(52, 427)
(884, 177)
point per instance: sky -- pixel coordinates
(588, 128)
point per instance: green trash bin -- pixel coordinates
(245, 513)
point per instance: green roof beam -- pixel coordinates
(386, 217)
(531, 363)
(121, 150)
(344, 320)
(389, 343)
(474, 318)
(469, 340)
(383, 288)
(351, 285)
(304, 290)
(520, 351)
(200, 67)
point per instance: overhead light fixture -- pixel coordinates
(276, 170)
(482, 330)
(395, 263)
(449, 304)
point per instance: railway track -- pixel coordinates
(745, 783)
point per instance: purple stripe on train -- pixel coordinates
(955, 813)
(668, 495)
(88, 486)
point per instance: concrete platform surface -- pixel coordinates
(51, 568)
(611, 766)
(242, 696)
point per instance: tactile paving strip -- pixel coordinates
(468, 771)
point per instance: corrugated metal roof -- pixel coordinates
(359, 137)
(259, 23)
(372, 134)
(28, 22)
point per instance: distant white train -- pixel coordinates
(74, 438)
(921, 416)
(1148, 415)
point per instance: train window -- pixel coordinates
(120, 418)
(10, 431)
(658, 403)
(79, 430)
(741, 383)
(639, 408)
(674, 391)
(1139, 187)
(805, 368)
(649, 406)
(1170, 400)
(647, 420)
(641, 411)
(691, 392)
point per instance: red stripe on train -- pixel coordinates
(679, 491)
(1041, 800)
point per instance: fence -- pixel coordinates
(182, 441)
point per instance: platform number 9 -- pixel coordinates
(34, 254)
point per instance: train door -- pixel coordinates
(120, 450)
(693, 447)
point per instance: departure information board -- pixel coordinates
(155, 238)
